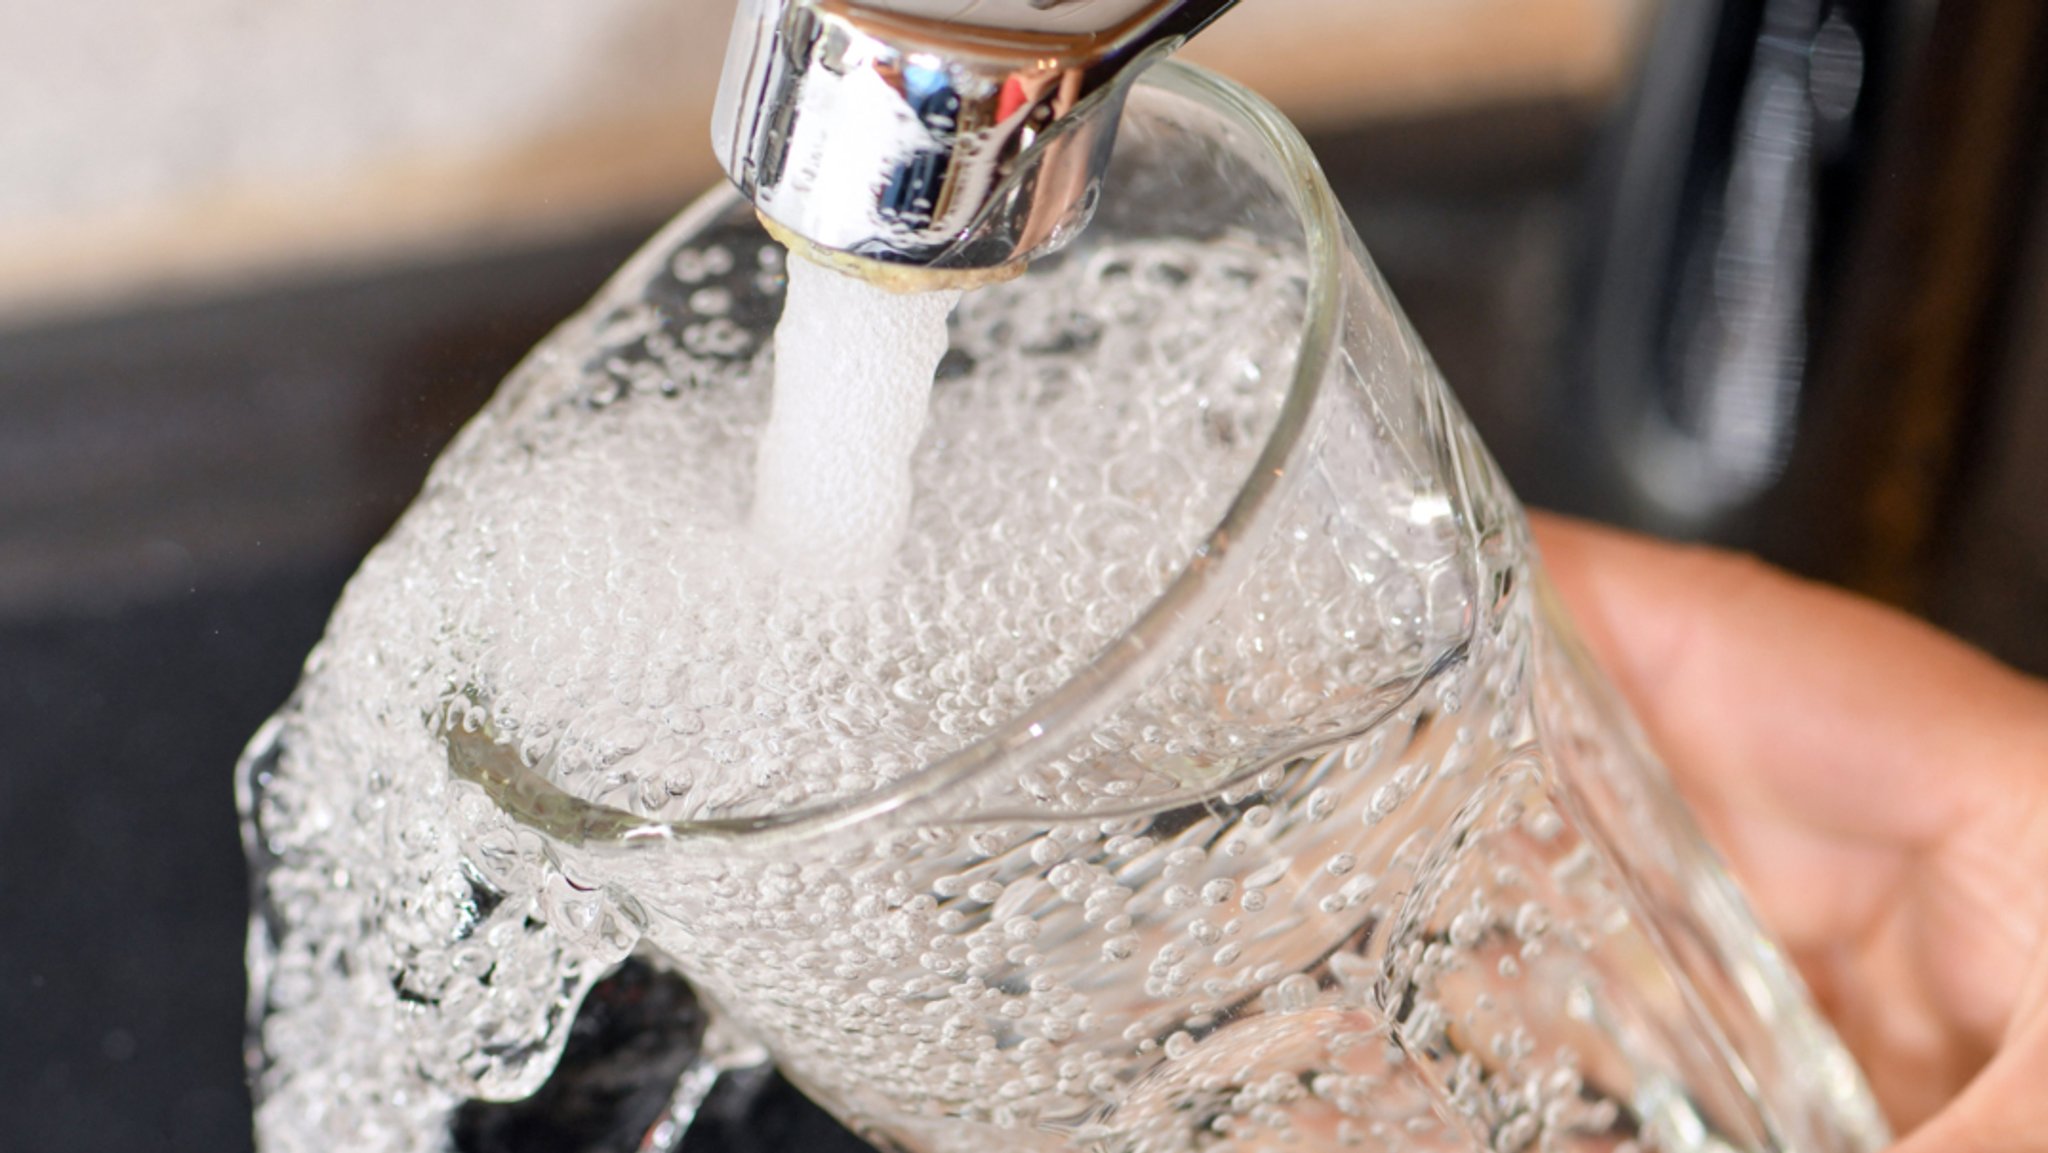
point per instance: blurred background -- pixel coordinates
(1771, 273)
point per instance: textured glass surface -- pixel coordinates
(1210, 769)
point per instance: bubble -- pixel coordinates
(1296, 993)
(1269, 873)
(584, 591)
(691, 265)
(1468, 927)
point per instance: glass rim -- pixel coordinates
(1108, 676)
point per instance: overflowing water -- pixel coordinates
(1310, 880)
(604, 584)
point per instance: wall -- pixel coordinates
(171, 144)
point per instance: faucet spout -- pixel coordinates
(955, 136)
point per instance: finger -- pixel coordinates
(1882, 788)
(1798, 702)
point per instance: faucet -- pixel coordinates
(928, 143)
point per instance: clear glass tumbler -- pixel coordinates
(1340, 843)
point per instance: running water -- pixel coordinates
(1309, 883)
(853, 382)
(593, 586)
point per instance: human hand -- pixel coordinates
(1881, 791)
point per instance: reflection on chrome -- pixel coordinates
(943, 134)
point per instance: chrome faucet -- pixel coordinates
(955, 137)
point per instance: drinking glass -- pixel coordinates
(1341, 843)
